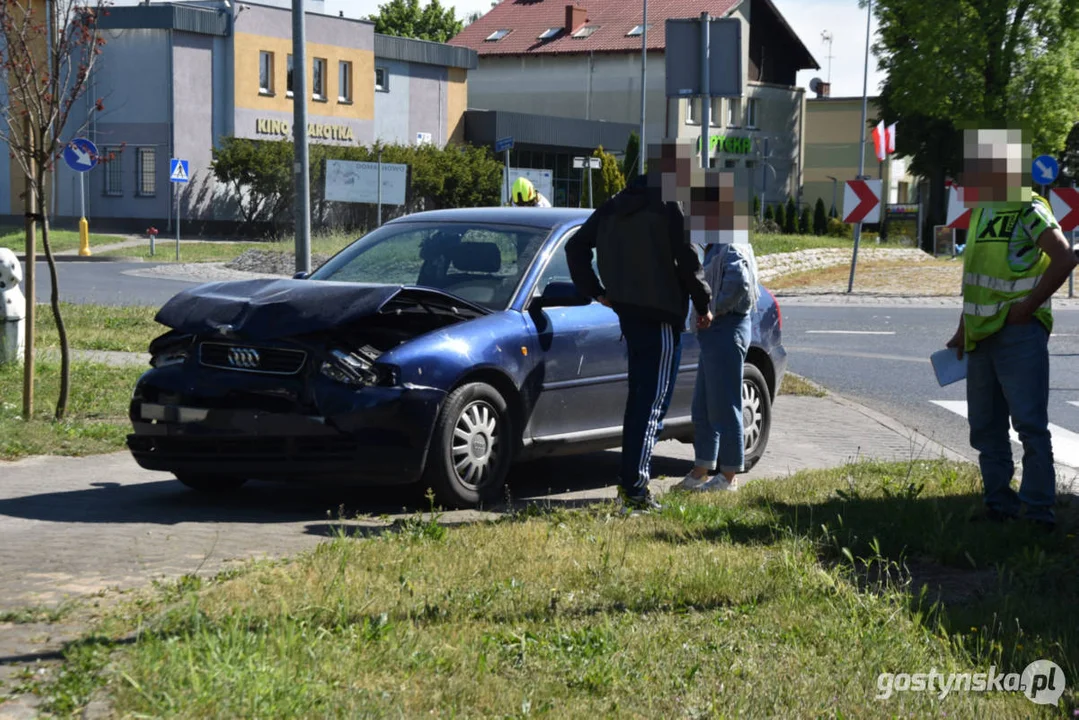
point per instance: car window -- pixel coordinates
(477, 262)
(557, 269)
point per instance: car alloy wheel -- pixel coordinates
(752, 415)
(476, 444)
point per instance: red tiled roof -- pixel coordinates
(528, 19)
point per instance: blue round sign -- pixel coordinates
(1044, 170)
(80, 155)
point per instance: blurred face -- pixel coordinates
(671, 163)
(718, 205)
(996, 167)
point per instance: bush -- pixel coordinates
(756, 206)
(791, 216)
(820, 218)
(606, 182)
(767, 227)
(840, 229)
(781, 216)
(804, 221)
(769, 213)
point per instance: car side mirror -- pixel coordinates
(560, 294)
(302, 275)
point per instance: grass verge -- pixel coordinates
(224, 251)
(797, 385)
(772, 244)
(786, 599)
(932, 277)
(60, 240)
(100, 327)
(97, 410)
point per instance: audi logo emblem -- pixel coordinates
(246, 358)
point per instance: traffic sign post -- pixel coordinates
(504, 145)
(861, 204)
(592, 163)
(178, 175)
(81, 156)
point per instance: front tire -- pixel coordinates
(756, 414)
(472, 447)
(215, 484)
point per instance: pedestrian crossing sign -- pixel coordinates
(178, 171)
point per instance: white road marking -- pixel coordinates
(1065, 442)
(850, 332)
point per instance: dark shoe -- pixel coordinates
(633, 505)
(991, 515)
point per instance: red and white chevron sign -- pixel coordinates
(958, 214)
(861, 201)
(1065, 203)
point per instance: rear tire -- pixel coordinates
(216, 484)
(756, 414)
(472, 447)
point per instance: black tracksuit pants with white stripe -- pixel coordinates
(655, 350)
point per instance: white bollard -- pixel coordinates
(12, 308)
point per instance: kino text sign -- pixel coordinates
(316, 131)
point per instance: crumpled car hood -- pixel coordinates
(265, 309)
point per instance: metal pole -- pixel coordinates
(706, 99)
(177, 186)
(509, 185)
(643, 149)
(379, 187)
(302, 167)
(82, 196)
(591, 197)
(1071, 244)
(30, 282)
(861, 144)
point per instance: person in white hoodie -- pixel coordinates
(719, 225)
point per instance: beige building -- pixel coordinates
(831, 153)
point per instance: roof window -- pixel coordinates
(497, 35)
(549, 33)
(585, 32)
(638, 30)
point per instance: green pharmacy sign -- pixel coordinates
(730, 145)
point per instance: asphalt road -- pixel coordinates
(880, 356)
(104, 283)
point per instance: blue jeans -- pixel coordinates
(717, 396)
(1008, 378)
(654, 350)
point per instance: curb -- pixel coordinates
(925, 445)
(79, 258)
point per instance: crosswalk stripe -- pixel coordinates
(1065, 442)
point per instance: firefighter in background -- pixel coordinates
(524, 195)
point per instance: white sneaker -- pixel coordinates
(690, 482)
(717, 483)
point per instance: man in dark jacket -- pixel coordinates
(650, 272)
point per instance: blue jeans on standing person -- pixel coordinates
(654, 350)
(1008, 378)
(717, 396)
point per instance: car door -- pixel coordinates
(582, 361)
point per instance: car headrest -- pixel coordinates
(477, 257)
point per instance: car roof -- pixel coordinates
(528, 216)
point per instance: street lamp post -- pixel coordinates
(642, 146)
(301, 168)
(861, 144)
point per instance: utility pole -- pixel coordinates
(302, 168)
(643, 148)
(861, 144)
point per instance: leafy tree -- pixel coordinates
(756, 206)
(769, 213)
(1069, 158)
(995, 63)
(48, 51)
(607, 181)
(805, 221)
(820, 218)
(791, 217)
(631, 161)
(781, 217)
(405, 18)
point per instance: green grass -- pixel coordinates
(97, 410)
(222, 251)
(60, 240)
(786, 599)
(797, 385)
(100, 327)
(772, 244)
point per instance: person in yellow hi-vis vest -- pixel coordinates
(524, 194)
(1015, 259)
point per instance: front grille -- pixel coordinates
(245, 358)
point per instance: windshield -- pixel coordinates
(478, 262)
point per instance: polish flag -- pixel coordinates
(880, 141)
(891, 137)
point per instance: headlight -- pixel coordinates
(169, 357)
(349, 369)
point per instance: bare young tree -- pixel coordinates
(48, 49)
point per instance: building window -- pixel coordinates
(638, 30)
(585, 32)
(146, 167)
(734, 113)
(344, 82)
(693, 111)
(318, 79)
(716, 120)
(114, 173)
(549, 33)
(382, 80)
(497, 35)
(266, 73)
(751, 113)
(288, 77)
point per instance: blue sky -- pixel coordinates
(843, 18)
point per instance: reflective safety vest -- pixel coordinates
(1002, 265)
